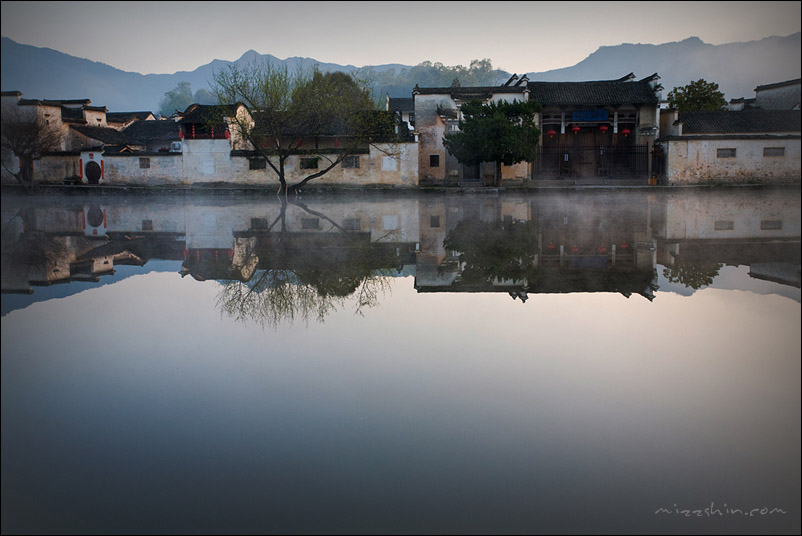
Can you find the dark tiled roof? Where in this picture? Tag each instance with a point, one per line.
(11, 93)
(402, 105)
(49, 102)
(465, 93)
(124, 117)
(203, 113)
(746, 121)
(107, 135)
(794, 82)
(153, 131)
(598, 93)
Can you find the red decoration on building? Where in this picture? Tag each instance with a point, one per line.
(228, 134)
(604, 128)
(551, 133)
(336, 142)
(297, 143)
(574, 129)
(626, 132)
(181, 134)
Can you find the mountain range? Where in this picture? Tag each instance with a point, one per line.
(43, 73)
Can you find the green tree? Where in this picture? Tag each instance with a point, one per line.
(494, 250)
(500, 132)
(697, 96)
(179, 98)
(204, 96)
(287, 111)
(692, 275)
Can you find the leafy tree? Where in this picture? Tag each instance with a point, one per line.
(494, 250)
(288, 111)
(692, 275)
(697, 96)
(27, 136)
(204, 96)
(500, 132)
(179, 98)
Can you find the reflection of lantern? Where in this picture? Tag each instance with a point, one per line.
(603, 128)
(602, 249)
(551, 133)
(624, 245)
(575, 249)
(626, 132)
(551, 245)
(574, 129)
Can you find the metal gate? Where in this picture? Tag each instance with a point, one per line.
(590, 161)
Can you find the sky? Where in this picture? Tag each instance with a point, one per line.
(166, 37)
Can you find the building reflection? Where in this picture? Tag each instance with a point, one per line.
(594, 241)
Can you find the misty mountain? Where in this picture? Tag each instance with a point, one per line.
(736, 67)
(43, 73)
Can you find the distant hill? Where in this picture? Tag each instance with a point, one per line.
(738, 68)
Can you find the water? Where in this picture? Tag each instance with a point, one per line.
(593, 361)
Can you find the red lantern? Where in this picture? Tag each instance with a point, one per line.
(574, 129)
(626, 132)
(227, 134)
(336, 142)
(551, 133)
(181, 134)
(603, 128)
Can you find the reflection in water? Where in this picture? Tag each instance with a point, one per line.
(505, 385)
(300, 261)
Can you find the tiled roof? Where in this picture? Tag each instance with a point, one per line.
(124, 117)
(48, 102)
(743, 121)
(794, 82)
(203, 113)
(402, 105)
(598, 93)
(107, 135)
(465, 93)
(153, 131)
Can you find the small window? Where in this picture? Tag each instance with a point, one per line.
(309, 163)
(147, 225)
(350, 162)
(259, 224)
(434, 221)
(724, 225)
(257, 163)
(144, 163)
(412, 119)
(351, 224)
(310, 223)
(725, 153)
(434, 160)
(771, 225)
(773, 151)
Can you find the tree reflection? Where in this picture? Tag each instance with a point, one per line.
(27, 253)
(303, 277)
(490, 251)
(692, 275)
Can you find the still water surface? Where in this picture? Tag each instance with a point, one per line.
(575, 362)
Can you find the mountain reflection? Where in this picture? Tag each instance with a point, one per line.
(299, 261)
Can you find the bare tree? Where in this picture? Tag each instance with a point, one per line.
(27, 136)
(288, 112)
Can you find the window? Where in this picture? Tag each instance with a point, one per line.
(724, 225)
(350, 162)
(351, 224)
(310, 223)
(309, 163)
(144, 163)
(434, 221)
(773, 151)
(771, 225)
(434, 160)
(257, 163)
(725, 153)
(412, 118)
(259, 224)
